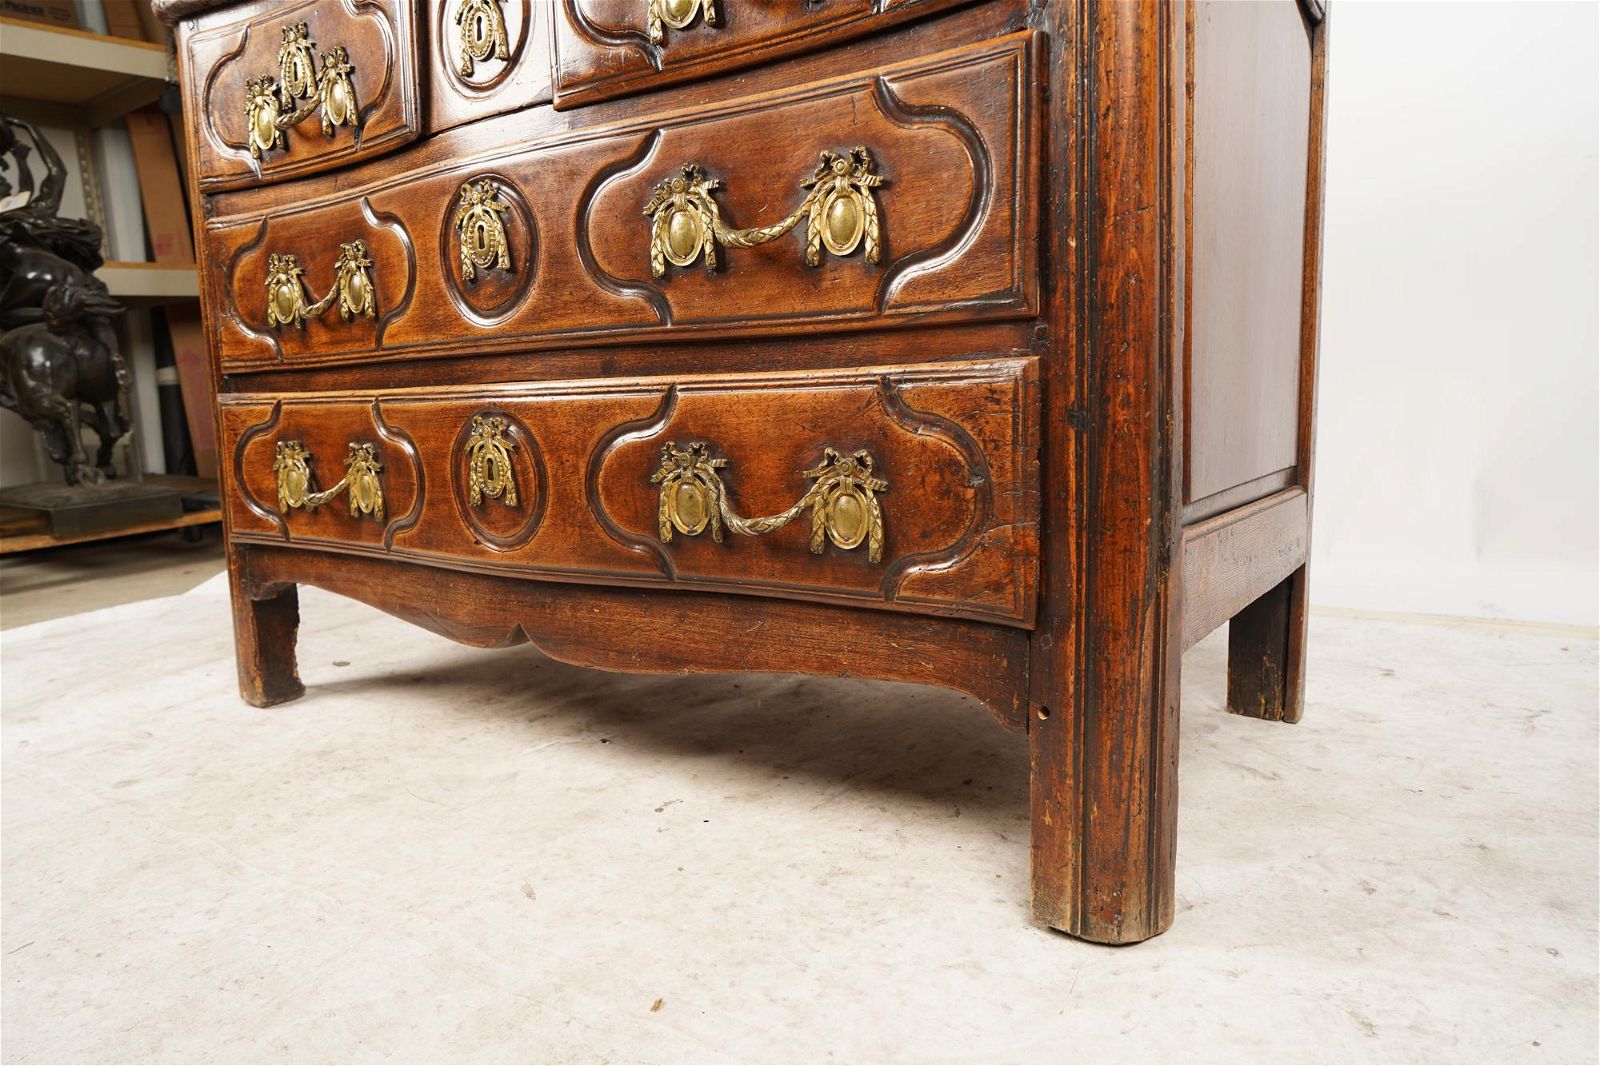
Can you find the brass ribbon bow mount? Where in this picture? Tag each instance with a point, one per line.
(272, 107)
(842, 500)
(480, 228)
(840, 210)
(482, 26)
(489, 462)
(292, 465)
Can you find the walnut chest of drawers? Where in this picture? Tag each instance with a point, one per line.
(970, 344)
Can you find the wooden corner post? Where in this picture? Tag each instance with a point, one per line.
(1103, 715)
(1267, 640)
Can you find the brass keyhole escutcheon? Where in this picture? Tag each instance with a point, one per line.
(480, 225)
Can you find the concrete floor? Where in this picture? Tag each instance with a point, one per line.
(445, 854)
(55, 582)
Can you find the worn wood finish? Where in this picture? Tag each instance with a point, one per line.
(222, 49)
(1105, 695)
(603, 48)
(1084, 365)
(961, 517)
(264, 626)
(823, 351)
(951, 133)
(1260, 655)
(492, 86)
(1233, 559)
(643, 631)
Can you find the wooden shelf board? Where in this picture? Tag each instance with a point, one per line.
(21, 538)
(21, 542)
(99, 77)
(143, 284)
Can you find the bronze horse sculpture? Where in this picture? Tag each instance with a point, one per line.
(66, 364)
(59, 362)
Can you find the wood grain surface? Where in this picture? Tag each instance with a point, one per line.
(961, 511)
(952, 134)
(1083, 363)
(603, 49)
(221, 49)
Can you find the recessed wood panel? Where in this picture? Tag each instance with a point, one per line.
(226, 49)
(1251, 114)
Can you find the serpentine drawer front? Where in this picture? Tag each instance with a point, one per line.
(606, 48)
(874, 199)
(913, 488)
(956, 342)
(279, 90)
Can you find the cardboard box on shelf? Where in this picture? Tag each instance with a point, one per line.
(62, 14)
(122, 18)
(166, 217)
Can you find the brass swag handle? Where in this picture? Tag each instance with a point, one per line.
(481, 228)
(489, 471)
(272, 107)
(840, 209)
(352, 286)
(676, 13)
(482, 26)
(843, 500)
(292, 464)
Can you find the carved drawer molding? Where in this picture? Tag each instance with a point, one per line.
(299, 88)
(287, 90)
(912, 488)
(609, 48)
(914, 193)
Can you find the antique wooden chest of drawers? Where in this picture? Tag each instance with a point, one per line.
(962, 343)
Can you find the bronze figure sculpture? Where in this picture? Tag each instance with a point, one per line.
(59, 361)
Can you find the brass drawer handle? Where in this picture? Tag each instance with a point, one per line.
(352, 285)
(676, 13)
(292, 464)
(482, 27)
(843, 500)
(489, 472)
(481, 229)
(272, 107)
(840, 210)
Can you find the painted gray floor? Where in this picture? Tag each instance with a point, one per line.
(444, 854)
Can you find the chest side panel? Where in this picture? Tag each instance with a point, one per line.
(1251, 115)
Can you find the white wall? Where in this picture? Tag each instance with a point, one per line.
(1456, 456)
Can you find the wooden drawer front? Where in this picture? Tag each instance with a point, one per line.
(608, 48)
(347, 69)
(913, 488)
(485, 57)
(952, 226)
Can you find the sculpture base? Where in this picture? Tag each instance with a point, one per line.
(74, 510)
